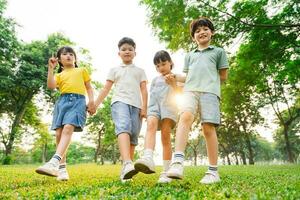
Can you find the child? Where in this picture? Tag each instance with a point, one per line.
(129, 103)
(162, 111)
(70, 109)
(205, 68)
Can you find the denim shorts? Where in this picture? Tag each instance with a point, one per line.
(206, 104)
(70, 109)
(127, 120)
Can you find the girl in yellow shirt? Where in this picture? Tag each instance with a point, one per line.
(70, 109)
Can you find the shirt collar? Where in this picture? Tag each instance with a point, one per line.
(124, 65)
(208, 48)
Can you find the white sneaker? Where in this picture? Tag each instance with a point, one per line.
(62, 175)
(145, 165)
(128, 171)
(49, 169)
(163, 178)
(175, 171)
(210, 177)
(126, 180)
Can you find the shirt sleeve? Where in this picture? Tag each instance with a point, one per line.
(143, 76)
(86, 76)
(222, 60)
(186, 63)
(57, 79)
(111, 75)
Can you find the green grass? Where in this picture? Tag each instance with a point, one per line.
(91, 181)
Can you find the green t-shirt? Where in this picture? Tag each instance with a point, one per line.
(202, 68)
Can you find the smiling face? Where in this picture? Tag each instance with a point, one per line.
(127, 53)
(202, 36)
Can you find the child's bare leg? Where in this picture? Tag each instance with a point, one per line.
(132, 148)
(146, 163)
(212, 175)
(211, 139)
(185, 122)
(124, 146)
(166, 127)
(58, 136)
(65, 139)
(152, 123)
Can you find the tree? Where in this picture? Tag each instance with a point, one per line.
(101, 132)
(258, 25)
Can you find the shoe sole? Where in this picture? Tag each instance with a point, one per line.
(130, 174)
(174, 176)
(43, 172)
(64, 179)
(143, 168)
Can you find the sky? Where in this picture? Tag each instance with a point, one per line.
(97, 26)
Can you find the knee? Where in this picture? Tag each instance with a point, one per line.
(151, 126)
(68, 128)
(187, 118)
(209, 130)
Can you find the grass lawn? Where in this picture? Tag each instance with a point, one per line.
(91, 181)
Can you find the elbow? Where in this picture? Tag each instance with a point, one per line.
(51, 86)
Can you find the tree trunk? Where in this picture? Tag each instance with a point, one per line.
(243, 158)
(251, 157)
(236, 158)
(14, 131)
(98, 148)
(228, 159)
(287, 144)
(195, 158)
(44, 153)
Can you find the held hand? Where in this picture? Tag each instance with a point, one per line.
(91, 108)
(52, 62)
(143, 113)
(170, 79)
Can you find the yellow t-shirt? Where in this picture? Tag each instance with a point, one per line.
(72, 80)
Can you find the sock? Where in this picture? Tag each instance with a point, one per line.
(125, 162)
(55, 159)
(178, 156)
(166, 165)
(213, 168)
(62, 166)
(148, 153)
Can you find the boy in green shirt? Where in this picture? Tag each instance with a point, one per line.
(205, 68)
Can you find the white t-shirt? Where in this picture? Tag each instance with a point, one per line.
(127, 80)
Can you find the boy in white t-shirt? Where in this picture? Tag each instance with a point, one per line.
(129, 103)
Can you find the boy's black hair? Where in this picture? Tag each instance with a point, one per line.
(66, 49)
(126, 40)
(202, 21)
(162, 56)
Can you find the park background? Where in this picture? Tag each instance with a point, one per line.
(260, 101)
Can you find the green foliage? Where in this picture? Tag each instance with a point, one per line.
(90, 181)
(101, 131)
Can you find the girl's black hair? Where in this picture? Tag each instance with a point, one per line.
(202, 21)
(66, 49)
(162, 56)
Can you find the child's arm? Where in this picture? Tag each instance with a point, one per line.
(144, 93)
(178, 77)
(103, 93)
(52, 62)
(223, 74)
(171, 80)
(91, 104)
